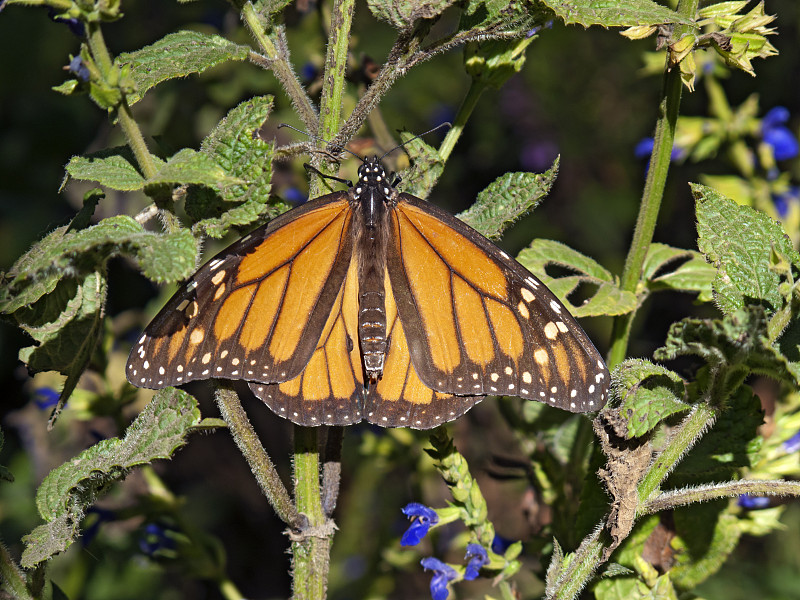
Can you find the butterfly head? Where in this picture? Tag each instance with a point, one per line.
(372, 180)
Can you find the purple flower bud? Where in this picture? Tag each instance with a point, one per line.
(45, 398)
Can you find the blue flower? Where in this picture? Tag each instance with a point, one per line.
(477, 557)
(103, 515)
(79, 68)
(155, 538)
(753, 502)
(776, 134)
(45, 397)
(422, 518)
(792, 445)
(442, 575)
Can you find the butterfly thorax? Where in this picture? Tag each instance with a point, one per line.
(371, 195)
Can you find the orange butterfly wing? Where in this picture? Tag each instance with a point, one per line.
(330, 388)
(478, 323)
(400, 398)
(256, 310)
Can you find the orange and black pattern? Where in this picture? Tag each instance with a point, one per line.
(458, 318)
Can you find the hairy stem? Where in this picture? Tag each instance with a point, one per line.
(653, 191)
(683, 438)
(264, 470)
(276, 49)
(704, 493)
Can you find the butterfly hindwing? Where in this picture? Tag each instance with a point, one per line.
(400, 398)
(477, 322)
(257, 309)
(330, 388)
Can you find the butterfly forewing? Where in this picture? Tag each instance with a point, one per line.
(256, 310)
(479, 323)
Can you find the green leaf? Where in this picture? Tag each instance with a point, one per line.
(506, 199)
(493, 62)
(738, 241)
(177, 55)
(426, 166)
(83, 219)
(65, 494)
(189, 166)
(236, 147)
(737, 341)
(65, 326)
(731, 444)
(649, 393)
(693, 275)
(511, 16)
(65, 254)
(608, 299)
(706, 537)
(113, 168)
(613, 13)
(401, 14)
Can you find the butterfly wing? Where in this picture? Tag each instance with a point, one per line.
(478, 323)
(400, 398)
(329, 390)
(257, 310)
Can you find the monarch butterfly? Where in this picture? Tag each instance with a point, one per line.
(371, 304)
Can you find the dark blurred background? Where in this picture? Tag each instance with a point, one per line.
(580, 95)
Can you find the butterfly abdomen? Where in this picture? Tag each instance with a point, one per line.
(370, 249)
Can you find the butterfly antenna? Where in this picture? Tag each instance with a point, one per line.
(319, 139)
(416, 137)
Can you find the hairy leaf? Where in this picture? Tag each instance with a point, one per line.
(64, 253)
(177, 55)
(738, 341)
(613, 13)
(236, 146)
(693, 275)
(426, 167)
(608, 299)
(508, 198)
(113, 168)
(65, 494)
(648, 394)
(738, 241)
(404, 13)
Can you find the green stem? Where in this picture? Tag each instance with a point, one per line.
(474, 93)
(580, 569)
(12, 576)
(310, 552)
(330, 109)
(653, 191)
(265, 473)
(130, 128)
